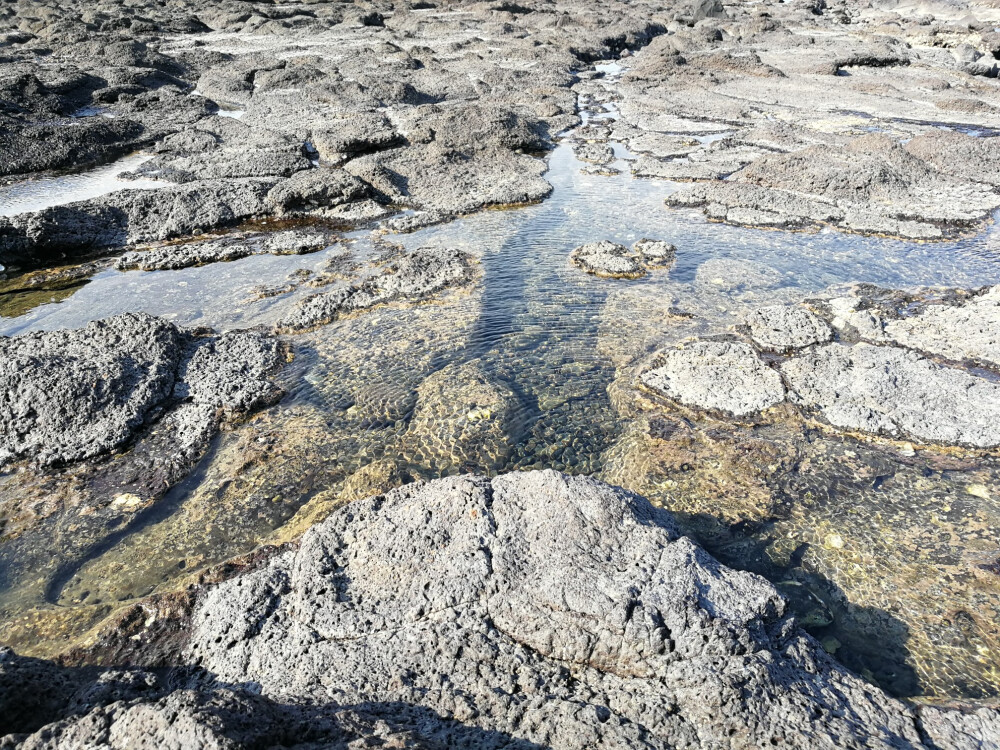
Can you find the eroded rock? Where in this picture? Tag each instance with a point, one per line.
(891, 391)
(78, 394)
(721, 375)
(784, 327)
(414, 277)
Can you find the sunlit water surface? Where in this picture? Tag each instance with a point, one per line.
(535, 349)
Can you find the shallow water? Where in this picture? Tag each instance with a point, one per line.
(45, 192)
(522, 374)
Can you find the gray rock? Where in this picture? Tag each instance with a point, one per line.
(782, 328)
(231, 372)
(129, 217)
(655, 252)
(47, 146)
(316, 188)
(594, 153)
(185, 255)
(226, 163)
(550, 609)
(76, 394)
(438, 178)
(872, 185)
(969, 331)
(355, 134)
(608, 260)
(891, 391)
(959, 155)
(414, 277)
(719, 375)
(73, 395)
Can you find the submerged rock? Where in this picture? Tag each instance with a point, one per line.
(415, 277)
(722, 375)
(464, 420)
(891, 391)
(533, 610)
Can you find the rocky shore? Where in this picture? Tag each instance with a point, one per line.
(531, 610)
(308, 439)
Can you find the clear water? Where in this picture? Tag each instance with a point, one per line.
(45, 192)
(531, 370)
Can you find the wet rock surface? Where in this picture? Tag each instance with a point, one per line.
(465, 569)
(727, 376)
(412, 278)
(613, 261)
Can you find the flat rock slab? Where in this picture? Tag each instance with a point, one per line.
(871, 185)
(892, 391)
(415, 277)
(970, 331)
(721, 375)
(781, 328)
(186, 255)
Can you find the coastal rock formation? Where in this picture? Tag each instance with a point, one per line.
(73, 395)
(871, 185)
(610, 260)
(129, 217)
(607, 259)
(892, 391)
(533, 610)
(721, 375)
(964, 328)
(785, 327)
(185, 255)
(884, 374)
(414, 277)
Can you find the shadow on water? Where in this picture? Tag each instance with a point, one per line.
(823, 609)
(158, 511)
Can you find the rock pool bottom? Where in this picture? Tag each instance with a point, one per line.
(888, 554)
